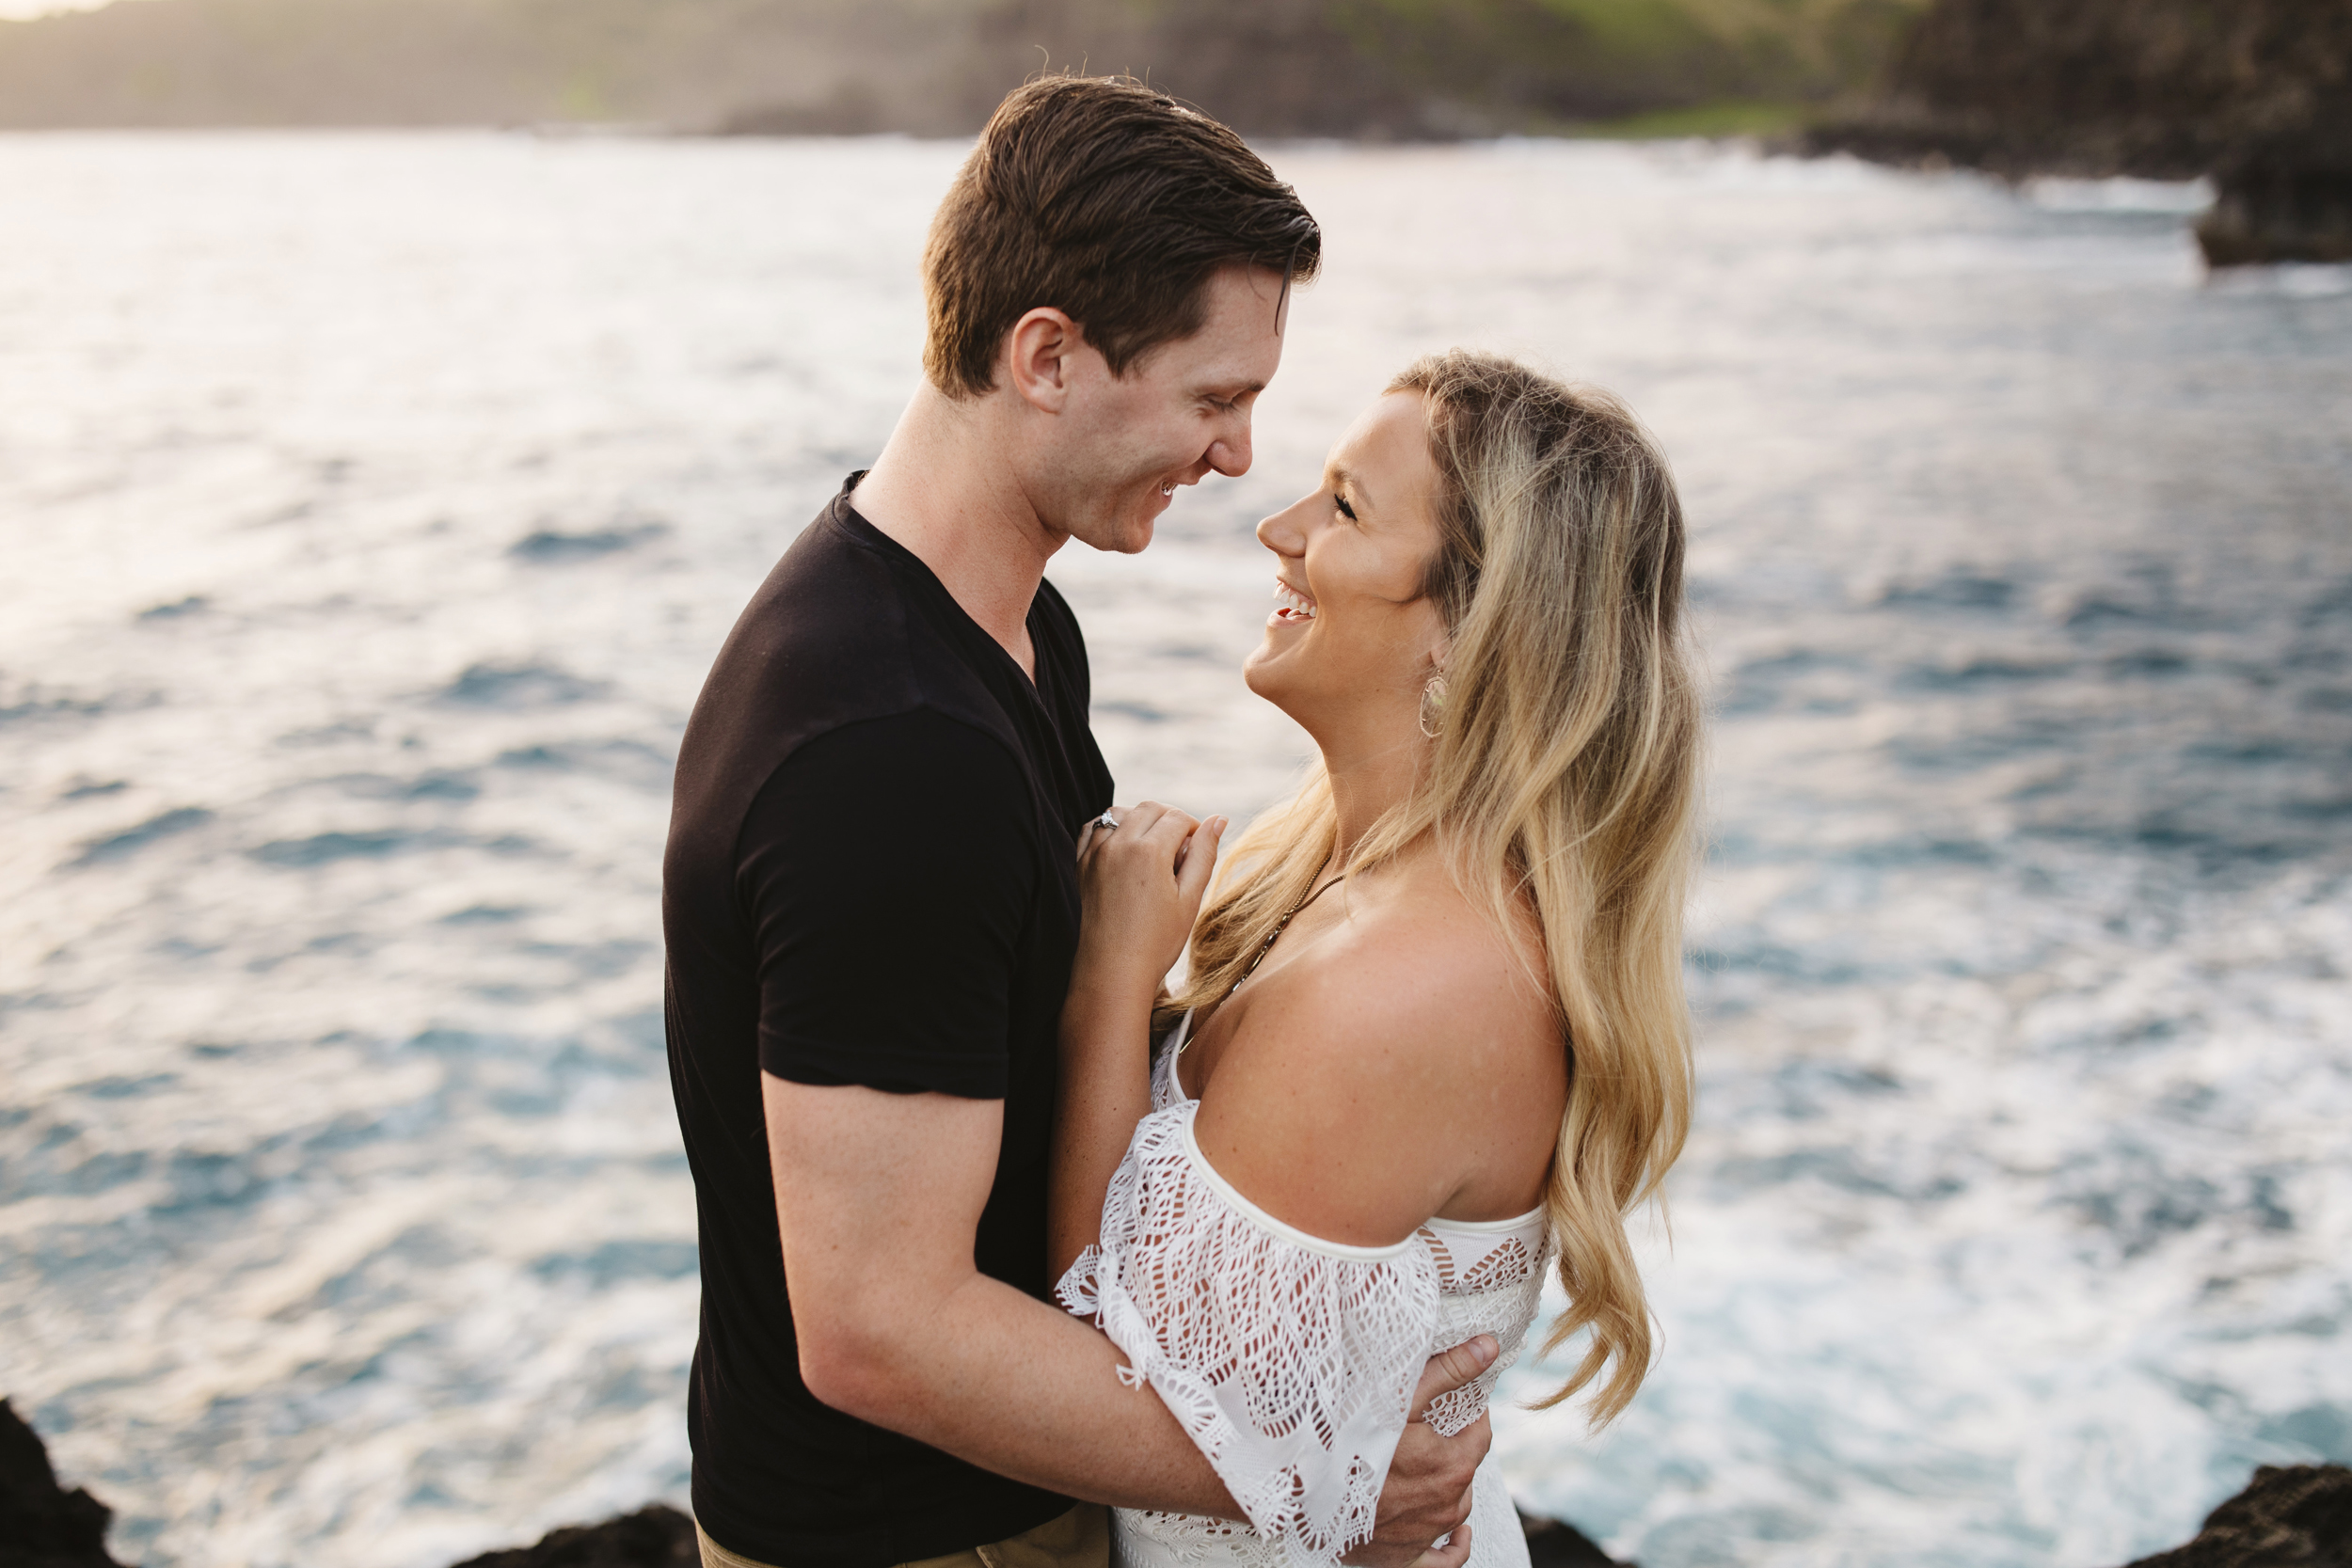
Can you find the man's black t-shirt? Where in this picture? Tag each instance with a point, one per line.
(869, 882)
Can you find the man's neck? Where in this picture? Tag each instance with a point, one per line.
(944, 488)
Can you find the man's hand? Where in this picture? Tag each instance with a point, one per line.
(1428, 1493)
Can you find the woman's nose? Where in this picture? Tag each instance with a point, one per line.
(1282, 532)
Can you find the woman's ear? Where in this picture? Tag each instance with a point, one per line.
(1036, 358)
(1438, 648)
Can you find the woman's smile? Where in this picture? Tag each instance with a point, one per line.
(1295, 608)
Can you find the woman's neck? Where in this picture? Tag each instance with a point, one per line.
(1369, 781)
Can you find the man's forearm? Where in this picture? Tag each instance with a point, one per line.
(997, 1378)
(878, 1199)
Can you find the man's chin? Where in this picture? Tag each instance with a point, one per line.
(1132, 536)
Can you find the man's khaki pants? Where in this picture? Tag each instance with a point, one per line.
(1079, 1539)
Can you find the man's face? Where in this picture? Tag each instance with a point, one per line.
(1122, 444)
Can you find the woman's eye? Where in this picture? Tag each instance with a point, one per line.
(1345, 510)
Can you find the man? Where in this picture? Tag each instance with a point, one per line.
(869, 901)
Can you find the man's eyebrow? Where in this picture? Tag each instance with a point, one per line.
(1231, 389)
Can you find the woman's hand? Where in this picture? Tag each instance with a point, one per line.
(1142, 884)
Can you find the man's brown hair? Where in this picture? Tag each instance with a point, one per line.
(1109, 202)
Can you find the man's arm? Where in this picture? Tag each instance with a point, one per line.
(879, 1195)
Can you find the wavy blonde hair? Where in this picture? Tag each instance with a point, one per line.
(1562, 785)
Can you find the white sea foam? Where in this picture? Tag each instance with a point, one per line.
(2120, 194)
(374, 505)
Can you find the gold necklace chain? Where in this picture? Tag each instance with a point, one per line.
(1279, 925)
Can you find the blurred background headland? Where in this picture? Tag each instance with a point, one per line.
(2256, 93)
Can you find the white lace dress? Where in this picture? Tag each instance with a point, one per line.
(1291, 1360)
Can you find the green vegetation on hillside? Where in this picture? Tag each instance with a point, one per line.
(1397, 68)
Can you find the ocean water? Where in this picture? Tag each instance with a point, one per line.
(372, 506)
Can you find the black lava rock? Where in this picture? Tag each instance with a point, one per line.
(660, 1537)
(1551, 1544)
(654, 1537)
(41, 1523)
(2255, 93)
(2279, 215)
(2290, 1517)
(2294, 1516)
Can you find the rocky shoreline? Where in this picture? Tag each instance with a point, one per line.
(2254, 94)
(2292, 1516)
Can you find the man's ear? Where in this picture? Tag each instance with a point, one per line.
(1036, 358)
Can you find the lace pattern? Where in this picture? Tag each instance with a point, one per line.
(1489, 1281)
(1260, 1363)
(1289, 1362)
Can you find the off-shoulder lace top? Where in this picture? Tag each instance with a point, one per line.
(1291, 1360)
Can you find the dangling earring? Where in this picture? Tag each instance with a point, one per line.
(1432, 712)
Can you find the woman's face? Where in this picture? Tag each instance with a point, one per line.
(1352, 640)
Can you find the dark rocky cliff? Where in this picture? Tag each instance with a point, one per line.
(41, 1523)
(2289, 1516)
(2296, 1516)
(2255, 93)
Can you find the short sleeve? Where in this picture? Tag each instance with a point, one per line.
(888, 868)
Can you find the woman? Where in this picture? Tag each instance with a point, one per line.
(1380, 1110)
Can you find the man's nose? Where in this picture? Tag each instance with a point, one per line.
(1229, 455)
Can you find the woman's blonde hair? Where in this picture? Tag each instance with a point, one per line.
(1561, 783)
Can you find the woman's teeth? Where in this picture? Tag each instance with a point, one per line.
(1168, 487)
(1295, 606)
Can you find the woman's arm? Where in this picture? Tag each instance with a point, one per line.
(1142, 886)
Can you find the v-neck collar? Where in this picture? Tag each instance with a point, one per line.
(861, 528)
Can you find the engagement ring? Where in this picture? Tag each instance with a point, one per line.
(1108, 822)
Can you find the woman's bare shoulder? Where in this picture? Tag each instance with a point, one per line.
(1367, 1086)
